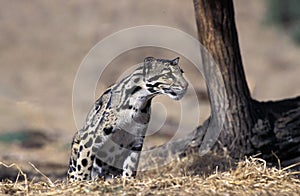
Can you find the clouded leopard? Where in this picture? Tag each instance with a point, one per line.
(112, 138)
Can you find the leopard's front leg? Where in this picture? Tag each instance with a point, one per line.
(131, 163)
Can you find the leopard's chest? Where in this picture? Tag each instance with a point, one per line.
(132, 121)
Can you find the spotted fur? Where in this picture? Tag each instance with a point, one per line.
(112, 138)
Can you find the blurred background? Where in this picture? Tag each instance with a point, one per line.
(42, 44)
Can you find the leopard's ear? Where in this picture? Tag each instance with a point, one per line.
(149, 59)
(175, 61)
(149, 62)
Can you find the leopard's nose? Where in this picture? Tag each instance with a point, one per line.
(184, 85)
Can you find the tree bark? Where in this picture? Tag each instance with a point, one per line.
(250, 126)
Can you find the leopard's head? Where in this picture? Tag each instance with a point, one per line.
(164, 77)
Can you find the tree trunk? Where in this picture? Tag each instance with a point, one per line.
(250, 127)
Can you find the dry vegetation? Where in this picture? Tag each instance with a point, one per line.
(249, 177)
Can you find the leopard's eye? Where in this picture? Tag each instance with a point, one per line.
(164, 77)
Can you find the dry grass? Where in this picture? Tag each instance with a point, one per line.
(250, 177)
